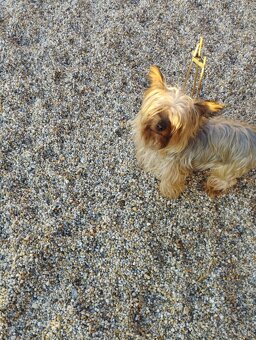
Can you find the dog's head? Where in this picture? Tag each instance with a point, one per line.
(168, 117)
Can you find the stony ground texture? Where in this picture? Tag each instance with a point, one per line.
(89, 249)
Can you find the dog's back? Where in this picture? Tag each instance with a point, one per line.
(221, 141)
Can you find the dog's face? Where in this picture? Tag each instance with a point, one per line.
(157, 130)
(168, 118)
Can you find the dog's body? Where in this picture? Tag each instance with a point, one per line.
(175, 135)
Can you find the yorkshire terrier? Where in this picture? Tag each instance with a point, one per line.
(175, 135)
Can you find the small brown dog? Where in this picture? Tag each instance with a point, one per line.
(175, 135)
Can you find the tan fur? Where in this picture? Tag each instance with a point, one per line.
(175, 135)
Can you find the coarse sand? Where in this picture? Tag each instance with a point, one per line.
(89, 248)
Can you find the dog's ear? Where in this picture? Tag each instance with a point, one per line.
(156, 78)
(208, 108)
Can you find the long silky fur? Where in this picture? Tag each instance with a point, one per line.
(198, 141)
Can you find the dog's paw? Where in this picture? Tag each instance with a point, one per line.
(212, 192)
(170, 192)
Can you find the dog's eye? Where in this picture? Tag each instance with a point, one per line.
(161, 126)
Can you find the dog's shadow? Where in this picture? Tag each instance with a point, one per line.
(196, 182)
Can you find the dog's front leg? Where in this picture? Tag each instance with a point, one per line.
(172, 187)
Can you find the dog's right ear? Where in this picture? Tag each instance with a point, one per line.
(156, 78)
(208, 108)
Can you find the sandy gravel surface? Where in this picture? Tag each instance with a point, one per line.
(89, 249)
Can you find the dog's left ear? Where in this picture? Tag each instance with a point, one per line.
(156, 77)
(208, 108)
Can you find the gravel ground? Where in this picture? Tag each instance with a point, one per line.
(89, 249)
